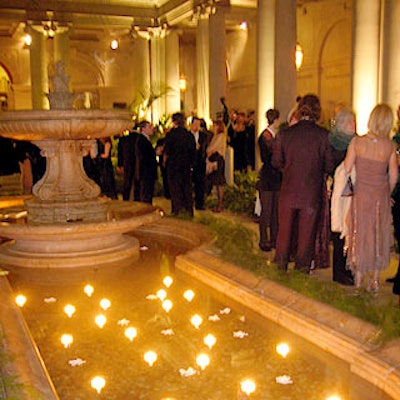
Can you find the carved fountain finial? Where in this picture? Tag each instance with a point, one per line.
(60, 97)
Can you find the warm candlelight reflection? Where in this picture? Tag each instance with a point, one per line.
(98, 383)
(88, 289)
(150, 357)
(168, 281)
(162, 294)
(20, 300)
(188, 295)
(69, 309)
(67, 340)
(248, 386)
(196, 321)
(283, 349)
(210, 340)
(203, 360)
(105, 304)
(167, 305)
(100, 320)
(131, 333)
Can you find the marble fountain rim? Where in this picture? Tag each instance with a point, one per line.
(63, 124)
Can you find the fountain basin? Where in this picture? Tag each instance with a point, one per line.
(63, 124)
(77, 244)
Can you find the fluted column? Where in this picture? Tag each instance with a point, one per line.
(38, 69)
(173, 101)
(391, 83)
(218, 78)
(142, 69)
(366, 59)
(285, 67)
(203, 65)
(157, 70)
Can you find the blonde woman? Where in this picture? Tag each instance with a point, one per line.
(215, 163)
(374, 158)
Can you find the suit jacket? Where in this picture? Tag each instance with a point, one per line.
(146, 160)
(201, 155)
(126, 152)
(304, 155)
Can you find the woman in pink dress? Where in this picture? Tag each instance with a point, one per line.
(374, 158)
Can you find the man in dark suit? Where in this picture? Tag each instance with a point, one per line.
(304, 155)
(146, 163)
(127, 164)
(199, 168)
(180, 154)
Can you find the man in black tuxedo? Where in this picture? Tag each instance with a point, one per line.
(179, 156)
(146, 162)
(127, 164)
(199, 168)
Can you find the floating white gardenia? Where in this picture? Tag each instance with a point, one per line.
(225, 310)
(240, 334)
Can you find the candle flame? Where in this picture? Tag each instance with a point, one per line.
(188, 295)
(69, 309)
(150, 357)
(203, 360)
(88, 289)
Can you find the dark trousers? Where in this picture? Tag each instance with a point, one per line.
(340, 273)
(268, 218)
(306, 219)
(180, 189)
(127, 186)
(146, 191)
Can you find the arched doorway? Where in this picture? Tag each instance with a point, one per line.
(6, 98)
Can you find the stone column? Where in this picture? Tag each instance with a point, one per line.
(285, 66)
(142, 69)
(38, 69)
(366, 59)
(173, 100)
(218, 78)
(265, 61)
(391, 81)
(203, 65)
(157, 71)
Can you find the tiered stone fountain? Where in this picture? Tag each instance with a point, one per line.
(68, 223)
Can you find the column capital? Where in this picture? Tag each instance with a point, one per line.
(157, 32)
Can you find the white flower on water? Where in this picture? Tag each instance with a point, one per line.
(214, 318)
(240, 334)
(284, 380)
(168, 332)
(50, 300)
(123, 322)
(143, 248)
(76, 362)
(225, 310)
(151, 297)
(187, 372)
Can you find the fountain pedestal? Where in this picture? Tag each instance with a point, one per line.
(69, 225)
(65, 193)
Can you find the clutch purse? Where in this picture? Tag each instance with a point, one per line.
(348, 189)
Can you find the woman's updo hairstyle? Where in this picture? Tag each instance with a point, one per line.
(309, 107)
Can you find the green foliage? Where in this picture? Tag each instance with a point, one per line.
(236, 244)
(241, 196)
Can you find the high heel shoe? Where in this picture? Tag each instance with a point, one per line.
(373, 286)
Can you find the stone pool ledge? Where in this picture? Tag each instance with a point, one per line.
(26, 363)
(347, 337)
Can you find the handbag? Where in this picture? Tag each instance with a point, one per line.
(348, 189)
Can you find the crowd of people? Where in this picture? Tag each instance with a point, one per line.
(317, 186)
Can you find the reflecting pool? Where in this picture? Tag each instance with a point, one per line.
(244, 347)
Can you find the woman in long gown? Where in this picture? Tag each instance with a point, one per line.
(374, 158)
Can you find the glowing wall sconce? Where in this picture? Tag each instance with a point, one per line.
(182, 84)
(114, 44)
(28, 39)
(299, 56)
(244, 26)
